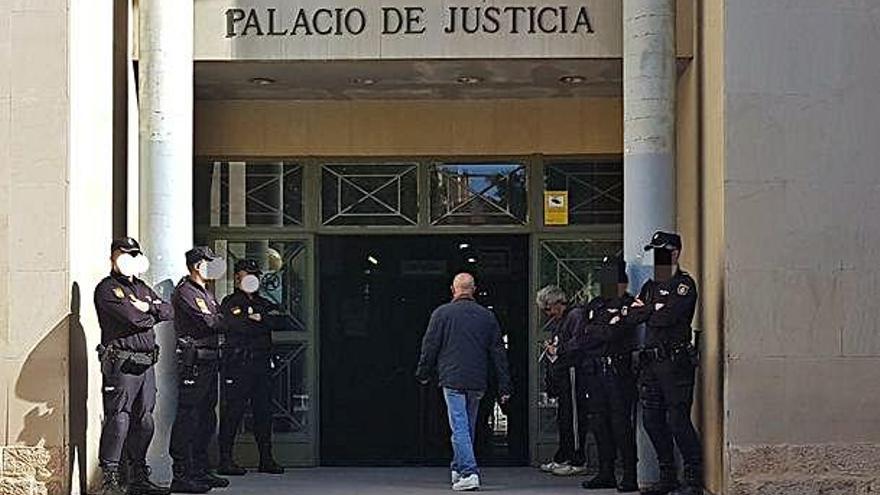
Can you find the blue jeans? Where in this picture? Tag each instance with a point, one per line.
(462, 406)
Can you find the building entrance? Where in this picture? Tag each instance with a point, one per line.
(376, 296)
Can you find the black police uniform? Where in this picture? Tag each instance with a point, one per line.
(569, 353)
(198, 323)
(246, 376)
(127, 352)
(609, 384)
(667, 365)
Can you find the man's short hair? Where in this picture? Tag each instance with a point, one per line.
(550, 295)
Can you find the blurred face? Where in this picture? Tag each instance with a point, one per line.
(665, 263)
(554, 311)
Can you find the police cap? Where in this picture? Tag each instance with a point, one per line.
(247, 265)
(199, 253)
(664, 240)
(126, 245)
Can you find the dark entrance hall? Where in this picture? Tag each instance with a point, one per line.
(376, 296)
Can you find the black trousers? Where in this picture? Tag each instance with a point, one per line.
(570, 418)
(246, 382)
(610, 413)
(666, 391)
(196, 420)
(129, 400)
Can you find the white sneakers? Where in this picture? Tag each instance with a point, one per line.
(569, 470)
(455, 477)
(552, 466)
(467, 483)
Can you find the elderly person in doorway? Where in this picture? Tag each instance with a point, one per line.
(567, 322)
(463, 339)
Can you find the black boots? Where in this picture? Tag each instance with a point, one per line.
(212, 480)
(228, 467)
(604, 480)
(268, 465)
(139, 482)
(185, 482)
(693, 481)
(667, 483)
(112, 483)
(629, 482)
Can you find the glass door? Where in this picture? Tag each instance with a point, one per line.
(287, 280)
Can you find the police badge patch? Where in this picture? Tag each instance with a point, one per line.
(236, 310)
(117, 291)
(682, 289)
(202, 306)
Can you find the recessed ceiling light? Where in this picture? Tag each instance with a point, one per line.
(572, 79)
(469, 80)
(262, 81)
(363, 81)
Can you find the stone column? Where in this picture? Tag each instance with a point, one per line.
(166, 222)
(649, 83)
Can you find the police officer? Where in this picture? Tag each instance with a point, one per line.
(608, 381)
(667, 365)
(198, 324)
(569, 321)
(127, 311)
(246, 373)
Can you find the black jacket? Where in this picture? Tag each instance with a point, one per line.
(671, 324)
(243, 332)
(463, 340)
(123, 325)
(197, 314)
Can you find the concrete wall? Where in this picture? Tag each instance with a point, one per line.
(802, 201)
(33, 245)
(472, 127)
(55, 153)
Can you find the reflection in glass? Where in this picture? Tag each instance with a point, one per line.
(478, 194)
(240, 194)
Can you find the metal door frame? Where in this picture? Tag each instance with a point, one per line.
(311, 227)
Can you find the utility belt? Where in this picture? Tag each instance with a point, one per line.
(192, 352)
(243, 356)
(613, 364)
(132, 362)
(675, 352)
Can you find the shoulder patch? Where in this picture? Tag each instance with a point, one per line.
(683, 289)
(235, 310)
(117, 291)
(202, 305)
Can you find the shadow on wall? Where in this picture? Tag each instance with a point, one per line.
(42, 382)
(78, 390)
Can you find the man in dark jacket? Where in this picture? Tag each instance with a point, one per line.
(462, 341)
(127, 311)
(247, 371)
(569, 321)
(198, 324)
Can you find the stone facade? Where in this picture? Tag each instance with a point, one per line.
(26, 471)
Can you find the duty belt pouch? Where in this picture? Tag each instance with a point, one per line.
(203, 354)
(137, 363)
(186, 352)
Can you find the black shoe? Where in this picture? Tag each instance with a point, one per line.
(230, 468)
(689, 490)
(212, 480)
(271, 467)
(112, 484)
(628, 485)
(600, 482)
(140, 484)
(188, 485)
(659, 488)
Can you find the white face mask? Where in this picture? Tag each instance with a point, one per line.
(142, 264)
(250, 283)
(127, 265)
(212, 270)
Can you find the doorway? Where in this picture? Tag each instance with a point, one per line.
(376, 296)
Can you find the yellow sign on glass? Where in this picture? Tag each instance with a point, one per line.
(555, 207)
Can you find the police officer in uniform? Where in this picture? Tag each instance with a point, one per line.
(667, 364)
(608, 381)
(198, 324)
(246, 376)
(127, 311)
(564, 358)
